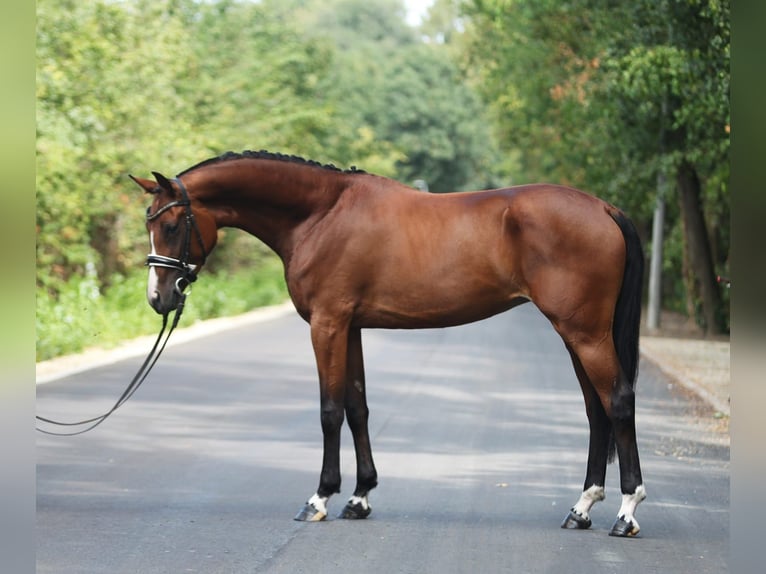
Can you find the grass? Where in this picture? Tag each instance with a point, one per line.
(83, 316)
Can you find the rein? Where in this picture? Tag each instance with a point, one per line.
(188, 277)
(138, 378)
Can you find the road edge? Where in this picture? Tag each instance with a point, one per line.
(60, 367)
(686, 382)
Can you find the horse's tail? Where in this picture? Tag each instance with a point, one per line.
(627, 313)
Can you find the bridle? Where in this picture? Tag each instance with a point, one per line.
(187, 269)
(189, 276)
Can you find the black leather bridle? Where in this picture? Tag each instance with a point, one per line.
(187, 269)
(188, 276)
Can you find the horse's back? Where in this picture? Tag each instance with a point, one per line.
(408, 259)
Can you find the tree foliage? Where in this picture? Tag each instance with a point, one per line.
(143, 85)
(610, 96)
(599, 94)
(407, 97)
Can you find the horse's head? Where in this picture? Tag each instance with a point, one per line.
(181, 235)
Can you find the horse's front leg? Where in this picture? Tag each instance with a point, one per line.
(357, 415)
(330, 340)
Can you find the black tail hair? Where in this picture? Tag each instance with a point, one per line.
(627, 313)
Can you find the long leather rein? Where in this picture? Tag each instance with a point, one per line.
(132, 387)
(188, 277)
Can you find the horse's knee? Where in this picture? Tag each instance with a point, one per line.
(331, 416)
(357, 416)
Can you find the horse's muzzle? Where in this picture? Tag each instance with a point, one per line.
(162, 305)
(169, 300)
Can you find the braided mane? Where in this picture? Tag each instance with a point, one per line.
(263, 154)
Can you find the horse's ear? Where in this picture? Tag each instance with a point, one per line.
(147, 185)
(163, 182)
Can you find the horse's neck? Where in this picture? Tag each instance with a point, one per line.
(271, 200)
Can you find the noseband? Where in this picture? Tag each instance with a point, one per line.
(187, 269)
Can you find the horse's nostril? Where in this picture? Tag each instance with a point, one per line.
(155, 300)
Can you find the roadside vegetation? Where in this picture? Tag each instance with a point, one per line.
(86, 315)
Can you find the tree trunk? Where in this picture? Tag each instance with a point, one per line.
(690, 285)
(104, 240)
(698, 246)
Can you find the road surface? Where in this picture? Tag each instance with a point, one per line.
(479, 436)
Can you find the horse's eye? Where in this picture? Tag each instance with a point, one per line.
(170, 228)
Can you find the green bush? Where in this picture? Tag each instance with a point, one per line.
(85, 316)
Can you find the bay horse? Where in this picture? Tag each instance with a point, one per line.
(363, 251)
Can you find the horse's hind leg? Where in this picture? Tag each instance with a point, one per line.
(598, 451)
(631, 483)
(357, 415)
(599, 364)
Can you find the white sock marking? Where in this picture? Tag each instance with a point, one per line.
(151, 286)
(354, 500)
(319, 503)
(629, 504)
(588, 498)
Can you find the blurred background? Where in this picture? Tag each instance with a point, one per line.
(629, 102)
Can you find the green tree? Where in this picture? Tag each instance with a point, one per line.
(255, 79)
(138, 85)
(402, 105)
(428, 112)
(607, 96)
(675, 79)
(104, 79)
(124, 86)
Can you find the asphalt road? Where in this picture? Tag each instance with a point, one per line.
(479, 436)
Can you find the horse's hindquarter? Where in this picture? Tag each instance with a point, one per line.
(571, 255)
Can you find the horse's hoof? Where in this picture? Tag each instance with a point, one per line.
(355, 511)
(624, 528)
(576, 521)
(309, 513)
